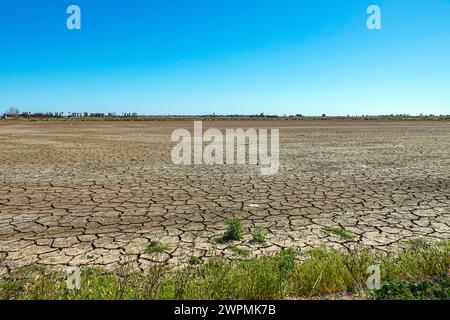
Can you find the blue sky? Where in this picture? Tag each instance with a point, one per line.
(226, 57)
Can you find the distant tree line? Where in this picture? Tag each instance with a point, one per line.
(14, 113)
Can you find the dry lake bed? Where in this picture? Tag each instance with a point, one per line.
(98, 192)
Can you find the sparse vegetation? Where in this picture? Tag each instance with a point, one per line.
(194, 260)
(329, 271)
(438, 289)
(419, 272)
(156, 247)
(259, 236)
(340, 232)
(239, 251)
(234, 231)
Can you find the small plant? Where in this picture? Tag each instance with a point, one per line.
(194, 260)
(341, 232)
(234, 231)
(156, 247)
(239, 251)
(286, 260)
(259, 236)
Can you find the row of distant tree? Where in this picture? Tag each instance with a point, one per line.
(15, 113)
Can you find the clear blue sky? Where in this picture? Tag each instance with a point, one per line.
(226, 56)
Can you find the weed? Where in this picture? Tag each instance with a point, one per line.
(194, 260)
(156, 247)
(259, 236)
(341, 232)
(234, 231)
(239, 251)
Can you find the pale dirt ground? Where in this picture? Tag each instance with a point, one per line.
(96, 193)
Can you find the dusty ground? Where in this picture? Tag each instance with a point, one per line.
(78, 193)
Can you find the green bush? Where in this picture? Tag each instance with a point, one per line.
(259, 236)
(414, 290)
(234, 231)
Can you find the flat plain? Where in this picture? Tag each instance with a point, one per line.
(100, 192)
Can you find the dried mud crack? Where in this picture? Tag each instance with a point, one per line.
(96, 193)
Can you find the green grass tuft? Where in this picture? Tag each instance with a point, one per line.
(259, 236)
(194, 260)
(156, 247)
(341, 232)
(239, 251)
(234, 231)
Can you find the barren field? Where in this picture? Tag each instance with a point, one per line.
(98, 192)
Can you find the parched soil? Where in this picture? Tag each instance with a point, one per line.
(98, 192)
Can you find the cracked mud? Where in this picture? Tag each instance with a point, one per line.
(96, 193)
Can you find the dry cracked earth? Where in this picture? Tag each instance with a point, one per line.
(97, 193)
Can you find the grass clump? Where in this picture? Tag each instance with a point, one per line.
(194, 260)
(156, 247)
(340, 232)
(261, 278)
(259, 236)
(234, 231)
(330, 271)
(239, 251)
(419, 260)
